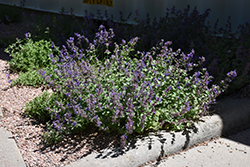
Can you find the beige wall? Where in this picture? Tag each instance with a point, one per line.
(221, 9)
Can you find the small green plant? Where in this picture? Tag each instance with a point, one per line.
(29, 78)
(28, 57)
(52, 136)
(36, 108)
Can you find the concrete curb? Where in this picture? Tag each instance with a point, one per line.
(10, 154)
(154, 146)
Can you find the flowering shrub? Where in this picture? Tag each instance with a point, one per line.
(127, 95)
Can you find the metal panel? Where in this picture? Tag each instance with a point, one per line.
(221, 9)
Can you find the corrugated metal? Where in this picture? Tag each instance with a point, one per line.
(221, 9)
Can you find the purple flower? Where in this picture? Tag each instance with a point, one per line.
(101, 27)
(232, 74)
(57, 125)
(123, 140)
(129, 125)
(197, 74)
(42, 72)
(166, 74)
(27, 35)
(47, 78)
(8, 75)
(169, 88)
(7, 18)
(74, 123)
(51, 83)
(143, 64)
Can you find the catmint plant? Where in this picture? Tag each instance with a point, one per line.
(28, 57)
(159, 89)
(28, 54)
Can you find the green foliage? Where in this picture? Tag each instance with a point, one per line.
(29, 78)
(52, 136)
(140, 91)
(33, 78)
(37, 108)
(28, 57)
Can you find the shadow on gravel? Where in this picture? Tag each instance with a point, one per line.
(91, 142)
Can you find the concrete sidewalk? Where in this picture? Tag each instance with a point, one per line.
(231, 114)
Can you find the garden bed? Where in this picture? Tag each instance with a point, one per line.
(28, 132)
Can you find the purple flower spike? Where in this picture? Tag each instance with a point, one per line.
(27, 35)
(232, 74)
(123, 140)
(7, 18)
(42, 72)
(74, 123)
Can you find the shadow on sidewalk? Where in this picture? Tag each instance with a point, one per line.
(235, 114)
